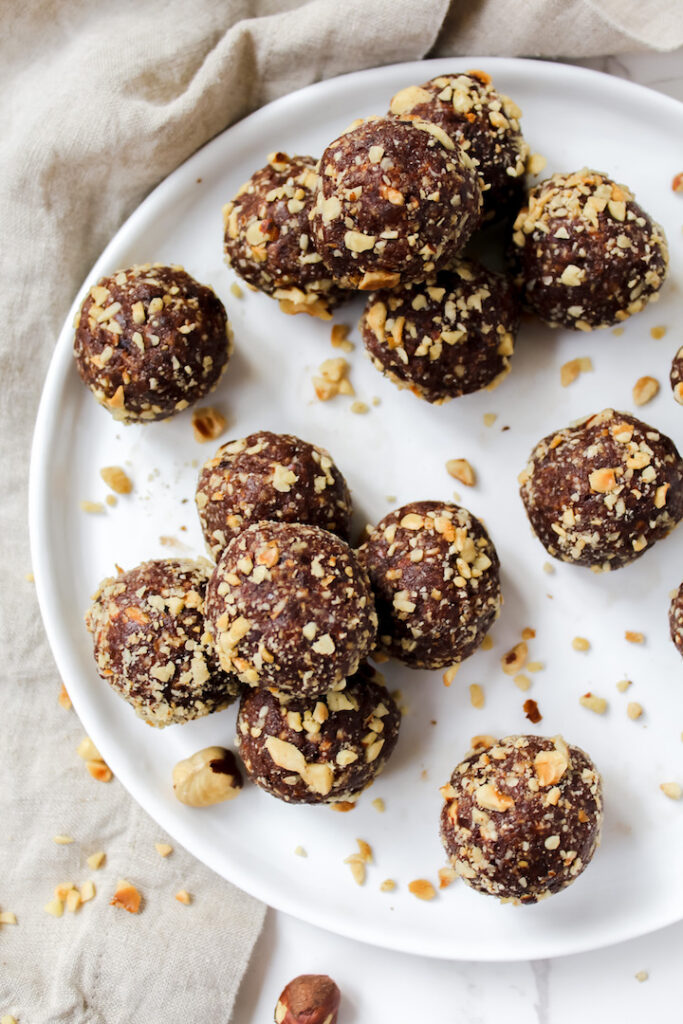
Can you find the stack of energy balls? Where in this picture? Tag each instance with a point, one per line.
(288, 613)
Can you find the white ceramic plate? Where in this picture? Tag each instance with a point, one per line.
(635, 884)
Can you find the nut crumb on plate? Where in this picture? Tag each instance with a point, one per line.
(672, 790)
(644, 390)
(421, 888)
(593, 703)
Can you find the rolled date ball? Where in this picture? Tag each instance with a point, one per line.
(268, 241)
(522, 817)
(676, 619)
(150, 341)
(676, 375)
(601, 492)
(586, 254)
(485, 123)
(150, 642)
(394, 196)
(434, 571)
(318, 750)
(270, 476)
(290, 606)
(449, 336)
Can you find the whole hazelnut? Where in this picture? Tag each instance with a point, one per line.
(308, 999)
(208, 777)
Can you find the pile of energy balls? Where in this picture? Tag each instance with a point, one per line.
(286, 615)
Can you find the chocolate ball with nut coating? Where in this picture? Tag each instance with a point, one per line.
(445, 337)
(484, 123)
(394, 198)
(676, 619)
(290, 606)
(522, 817)
(323, 749)
(586, 255)
(150, 642)
(601, 492)
(676, 376)
(435, 574)
(150, 340)
(268, 241)
(270, 476)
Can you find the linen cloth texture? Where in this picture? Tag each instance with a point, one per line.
(100, 102)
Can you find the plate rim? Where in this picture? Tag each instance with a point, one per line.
(38, 505)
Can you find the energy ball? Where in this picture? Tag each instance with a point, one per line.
(446, 337)
(150, 341)
(394, 197)
(268, 241)
(309, 751)
(150, 642)
(522, 818)
(485, 123)
(270, 476)
(601, 492)
(290, 606)
(586, 254)
(434, 571)
(676, 375)
(676, 619)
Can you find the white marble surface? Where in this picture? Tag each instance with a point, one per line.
(382, 987)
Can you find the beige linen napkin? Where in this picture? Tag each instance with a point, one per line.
(99, 103)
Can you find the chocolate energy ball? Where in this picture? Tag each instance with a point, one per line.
(434, 571)
(485, 123)
(150, 341)
(446, 337)
(309, 751)
(522, 818)
(676, 375)
(586, 254)
(270, 476)
(601, 492)
(394, 197)
(268, 241)
(150, 642)
(290, 606)
(676, 619)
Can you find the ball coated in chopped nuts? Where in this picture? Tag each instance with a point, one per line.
(150, 340)
(522, 817)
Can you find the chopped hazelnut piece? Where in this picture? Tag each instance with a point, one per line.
(64, 699)
(487, 643)
(634, 710)
(95, 508)
(672, 790)
(461, 470)
(490, 418)
(535, 163)
(677, 183)
(521, 681)
(236, 290)
(357, 866)
(514, 660)
(388, 885)
(63, 840)
(450, 674)
(99, 771)
(8, 917)
(73, 900)
(163, 849)
(641, 976)
(593, 703)
(579, 643)
(207, 424)
(623, 685)
(547, 567)
(571, 370)
(183, 896)
(657, 332)
(477, 698)
(96, 860)
(87, 891)
(339, 338)
(117, 479)
(644, 390)
(379, 805)
(300, 852)
(364, 851)
(634, 638)
(446, 877)
(55, 908)
(423, 889)
(87, 750)
(360, 408)
(127, 897)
